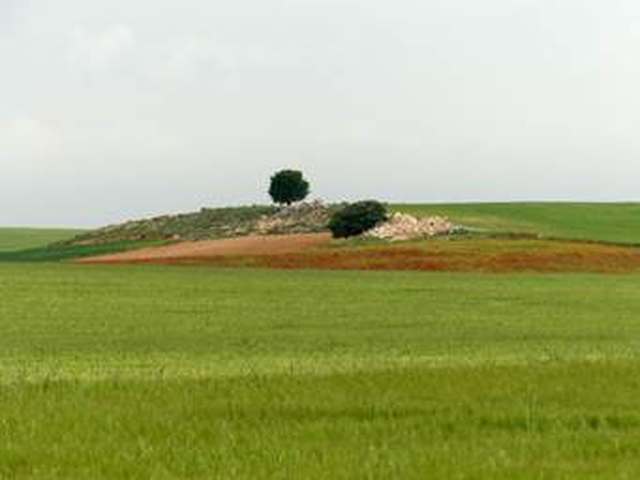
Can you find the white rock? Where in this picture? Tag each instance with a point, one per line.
(402, 226)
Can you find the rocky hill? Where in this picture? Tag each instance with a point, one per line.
(219, 223)
(213, 223)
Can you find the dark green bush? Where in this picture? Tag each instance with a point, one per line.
(357, 218)
(288, 186)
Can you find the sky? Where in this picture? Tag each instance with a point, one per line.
(119, 109)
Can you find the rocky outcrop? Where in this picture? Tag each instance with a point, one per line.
(303, 217)
(402, 226)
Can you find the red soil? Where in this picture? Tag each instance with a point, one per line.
(211, 249)
(316, 252)
(410, 259)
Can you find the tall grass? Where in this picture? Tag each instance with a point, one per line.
(156, 372)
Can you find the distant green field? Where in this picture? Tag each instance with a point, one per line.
(610, 222)
(33, 245)
(161, 372)
(14, 239)
(58, 253)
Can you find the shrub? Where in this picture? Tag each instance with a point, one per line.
(357, 218)
(288, 186)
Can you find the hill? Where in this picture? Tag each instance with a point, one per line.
(215, 223)
(608, 223)
(600, 222)
(603, 222)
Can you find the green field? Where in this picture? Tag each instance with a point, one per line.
(185, 372)
(14, 239)
(609, 222)
(138, 372)
(58, 253)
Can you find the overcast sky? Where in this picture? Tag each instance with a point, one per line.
(124, 108)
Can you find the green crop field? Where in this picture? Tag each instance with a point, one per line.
(188, 372)
(137, 372)
(14, 239)
(610, 222)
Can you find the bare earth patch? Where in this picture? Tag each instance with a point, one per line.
(253, 246)
(316, 251)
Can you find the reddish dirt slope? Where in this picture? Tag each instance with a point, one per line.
(313, 251)
(211, 249)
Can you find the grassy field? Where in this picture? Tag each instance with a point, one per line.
(186, 372)
(609, 222)
(140, 372)
(61, 252)
(14, 239)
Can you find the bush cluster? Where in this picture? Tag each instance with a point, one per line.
(357, 218)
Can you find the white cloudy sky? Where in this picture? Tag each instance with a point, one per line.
(121, 108)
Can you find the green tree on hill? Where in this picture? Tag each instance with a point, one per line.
(288, 186)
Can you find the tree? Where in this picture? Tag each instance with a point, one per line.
(357, 218)
(288, 186)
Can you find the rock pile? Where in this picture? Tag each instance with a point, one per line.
(302, 217)
(407, 227)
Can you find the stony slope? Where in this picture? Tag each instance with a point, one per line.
(216, 223)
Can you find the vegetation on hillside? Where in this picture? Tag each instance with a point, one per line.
(216, 223)
(208, 223)
(356, 218)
